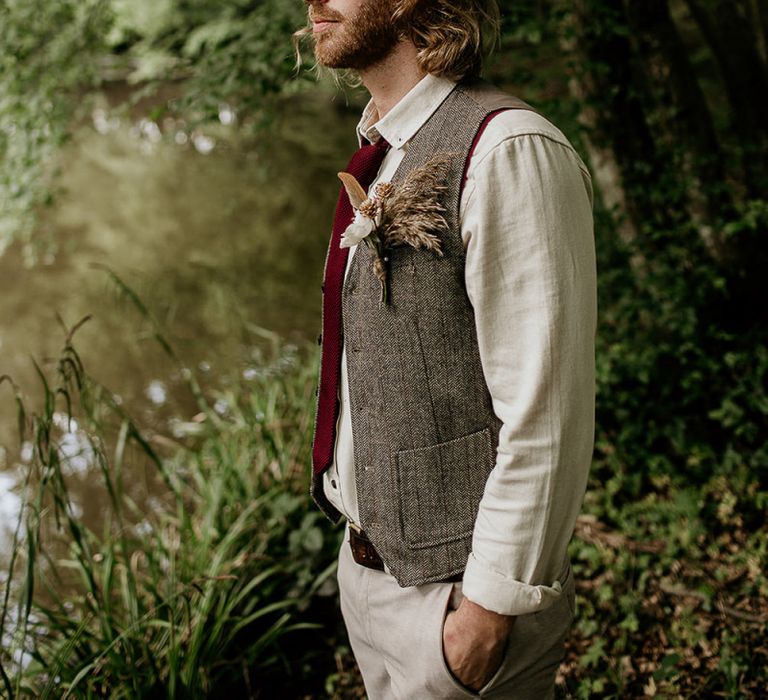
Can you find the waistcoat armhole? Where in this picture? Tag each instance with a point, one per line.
(476, 140)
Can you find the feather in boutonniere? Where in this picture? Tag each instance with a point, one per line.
(409, 213)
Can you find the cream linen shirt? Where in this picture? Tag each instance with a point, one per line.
(527, 228)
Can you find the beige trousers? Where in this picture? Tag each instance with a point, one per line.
(397, 638)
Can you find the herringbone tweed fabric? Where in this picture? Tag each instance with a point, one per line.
(423, 426)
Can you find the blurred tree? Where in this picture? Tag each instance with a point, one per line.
(682, 165)
(54, 54)
(681, 168)
(648, 118)
(735, 31)
(239, 52)
(47, 52)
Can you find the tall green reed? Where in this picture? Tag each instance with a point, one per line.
(204, 594)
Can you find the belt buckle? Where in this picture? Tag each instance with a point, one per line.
(363, 551)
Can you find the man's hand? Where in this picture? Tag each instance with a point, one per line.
(473, 643)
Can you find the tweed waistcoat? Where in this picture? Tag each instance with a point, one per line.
(423, 426)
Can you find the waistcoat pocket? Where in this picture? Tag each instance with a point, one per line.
(440, 487)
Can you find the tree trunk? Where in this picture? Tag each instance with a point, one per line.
(605, 77)
(733, 42)
(604, 166)
(684, 126)
(758, 18)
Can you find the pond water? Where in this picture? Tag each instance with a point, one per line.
(220, 234)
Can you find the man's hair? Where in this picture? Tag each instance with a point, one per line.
(453, 37)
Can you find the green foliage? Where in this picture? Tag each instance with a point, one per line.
(215, 591)
(680, 470)
(47, 53)
(53, 54)
(238, 52)
(682, 365)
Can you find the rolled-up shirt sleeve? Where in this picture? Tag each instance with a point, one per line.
(527, 226)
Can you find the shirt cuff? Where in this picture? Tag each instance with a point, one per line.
(499, 593)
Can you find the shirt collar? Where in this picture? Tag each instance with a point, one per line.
(402, 122)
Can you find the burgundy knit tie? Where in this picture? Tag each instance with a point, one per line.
(364, 166)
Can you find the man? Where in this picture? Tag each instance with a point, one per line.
(455, 416)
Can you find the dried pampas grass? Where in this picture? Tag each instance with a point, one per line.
(411, 213)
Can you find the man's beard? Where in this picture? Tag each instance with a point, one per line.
(358, 41)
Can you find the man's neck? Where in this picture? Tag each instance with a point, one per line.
(392, 78)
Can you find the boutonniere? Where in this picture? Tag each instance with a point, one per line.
(408, 213)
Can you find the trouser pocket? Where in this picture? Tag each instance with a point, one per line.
(532, 652)
(454, 688)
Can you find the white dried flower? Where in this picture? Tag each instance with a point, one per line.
(361, 227)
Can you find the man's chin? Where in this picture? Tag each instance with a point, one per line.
(329, 61)
(338, 56)
(325, 63)
(322, 55)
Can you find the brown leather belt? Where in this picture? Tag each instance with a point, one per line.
(365, 554)
(363, 551)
